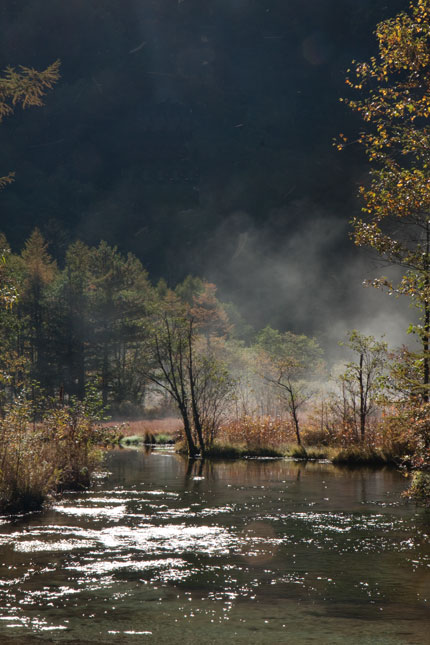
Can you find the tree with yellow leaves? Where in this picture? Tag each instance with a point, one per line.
(25, 87)
(394, 103)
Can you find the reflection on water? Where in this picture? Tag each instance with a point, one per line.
(257, 551)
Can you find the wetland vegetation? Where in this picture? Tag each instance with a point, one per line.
(172, 468)
(96, 338)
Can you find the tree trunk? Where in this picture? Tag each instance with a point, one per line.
(426, 362)
(192, 450)
(425, 340)
(196, 416)
(80, 370)
(105, 371)
(295, 418)
(362, 400)
(198, 428)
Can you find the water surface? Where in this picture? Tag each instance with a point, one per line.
(256, 551)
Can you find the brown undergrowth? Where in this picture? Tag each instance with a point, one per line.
(37, 460)
(170, 427)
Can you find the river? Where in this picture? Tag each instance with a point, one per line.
(252, 551)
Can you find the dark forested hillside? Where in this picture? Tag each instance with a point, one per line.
(196, 134)
(189, 212)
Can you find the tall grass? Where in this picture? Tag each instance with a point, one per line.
(362, 455)
(255, 432)
(308, 452)
(28, 463)
(167, 430)
(76, 436)
(39, 459)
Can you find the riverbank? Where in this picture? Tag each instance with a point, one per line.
(263, 439)
(62, 452)
(40, 460)
(353, 456)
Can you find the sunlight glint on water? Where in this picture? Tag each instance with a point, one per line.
(250, 552)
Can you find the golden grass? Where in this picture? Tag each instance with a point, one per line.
(169, 426)
(255, 432)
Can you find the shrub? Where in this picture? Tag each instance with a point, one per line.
(28, 463)
(75, 430)
(133, 440)
(255, 432)
(314, 437)
(59, 452)
(397, 431)
(228, 451)
(75, 437)
(419, 490)
(360, 455)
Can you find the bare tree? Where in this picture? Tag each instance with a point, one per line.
(170, 348)
(288, 362)
(363, 381)
(185, 365)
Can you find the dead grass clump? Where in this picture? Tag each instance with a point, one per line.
(170, 427)
(255, 432)
(37, 460)
(361, 455)
(28, 468)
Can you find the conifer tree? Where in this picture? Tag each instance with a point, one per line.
(25, 87)
(14, 363)
(118, 291)
(74, 312)
(40, 271)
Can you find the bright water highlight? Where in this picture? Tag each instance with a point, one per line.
(256, 551)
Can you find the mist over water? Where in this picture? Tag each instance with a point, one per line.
(198, 135)
(300, 282)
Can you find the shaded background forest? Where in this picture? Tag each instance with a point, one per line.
(197, 135)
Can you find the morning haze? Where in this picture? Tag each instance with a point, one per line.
(198, 135)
